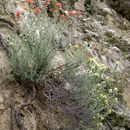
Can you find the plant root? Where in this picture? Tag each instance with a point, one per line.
(16, 112)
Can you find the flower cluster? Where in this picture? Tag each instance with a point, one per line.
(70, 45)
(59, 5)
(47, 1)
(57, 10)
(29, 1)
(37, 11)
(18, 13)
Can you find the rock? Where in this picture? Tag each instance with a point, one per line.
(115, 49)
(6, 7)
(84, 20)
(127, 92)
(57, 61)
(23, 0)
(1, 98)
(107, 10)
(122, 110)
(2, 107)
(122, 114)
(1, 102)
(105, 50)
(119, 128)
(91, 34)
(110, 31)
(103, 11)
(121, 6)
(92, 25)
(79, 6)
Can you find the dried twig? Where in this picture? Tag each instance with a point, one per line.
(16, 112)
(19, 124)
(12, 115)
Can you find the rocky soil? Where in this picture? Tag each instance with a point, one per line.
(108, 34)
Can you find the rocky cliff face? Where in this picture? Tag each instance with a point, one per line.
(121, 6)
(108, 35)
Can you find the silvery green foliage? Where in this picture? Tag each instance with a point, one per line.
(33, 50)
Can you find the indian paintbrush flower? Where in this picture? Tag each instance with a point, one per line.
(29, 1)
(79, 12)
(71, 13)
(59, 5)
(47, 1)
(37, 11)
(18, 13)
(63, 16)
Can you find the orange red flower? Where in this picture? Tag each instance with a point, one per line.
(59, 5)
(79, 12)
(47, 1)
(29, 1)
(63, 16)
(37, 11)
(71, 13)
(18, 13)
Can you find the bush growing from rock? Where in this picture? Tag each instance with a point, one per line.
(79, 87)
